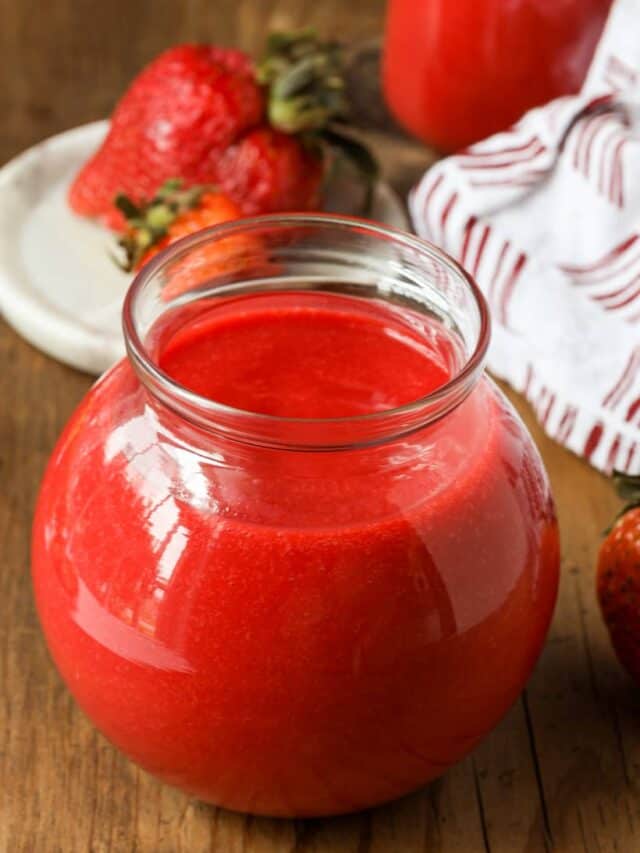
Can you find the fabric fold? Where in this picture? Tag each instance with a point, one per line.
(546, 217)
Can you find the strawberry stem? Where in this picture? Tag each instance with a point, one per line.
(149, 221)
(305, 81)
(306, 95)
(628, 487)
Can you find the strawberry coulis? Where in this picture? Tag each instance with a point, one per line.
(317, 358)
(293, 632)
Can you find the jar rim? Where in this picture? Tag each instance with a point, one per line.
(258, 428)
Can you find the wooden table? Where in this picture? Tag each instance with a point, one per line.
(561, 772)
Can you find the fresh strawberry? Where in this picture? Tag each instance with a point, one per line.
(269, 171)
(174, 213)
(618, 578)
(181, 111)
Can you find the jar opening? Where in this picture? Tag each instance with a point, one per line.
(316, 257)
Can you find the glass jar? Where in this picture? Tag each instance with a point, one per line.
(457, 71)
(283, 615)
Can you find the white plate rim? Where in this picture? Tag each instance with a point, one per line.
(18, 300)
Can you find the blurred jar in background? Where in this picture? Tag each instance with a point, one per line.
(456, 71)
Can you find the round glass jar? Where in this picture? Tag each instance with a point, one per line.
(295, 616)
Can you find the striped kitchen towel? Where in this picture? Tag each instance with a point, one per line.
(546, 217)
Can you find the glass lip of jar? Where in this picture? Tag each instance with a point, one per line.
(290, 433)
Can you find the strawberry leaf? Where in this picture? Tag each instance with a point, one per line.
(361, 158)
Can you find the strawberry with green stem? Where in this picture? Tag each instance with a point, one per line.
(175, 212)
(304, 79)
(265, 135)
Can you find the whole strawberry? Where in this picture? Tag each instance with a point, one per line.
(618, 578)
(175, 119)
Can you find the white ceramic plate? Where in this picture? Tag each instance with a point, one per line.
(59, 287)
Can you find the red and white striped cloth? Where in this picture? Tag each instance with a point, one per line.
(546, 217)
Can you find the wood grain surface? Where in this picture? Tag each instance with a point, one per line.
(562, 771)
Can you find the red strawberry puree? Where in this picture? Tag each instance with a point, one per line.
(292, 631)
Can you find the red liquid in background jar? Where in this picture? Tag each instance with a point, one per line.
(457, 71)
(291, 632)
